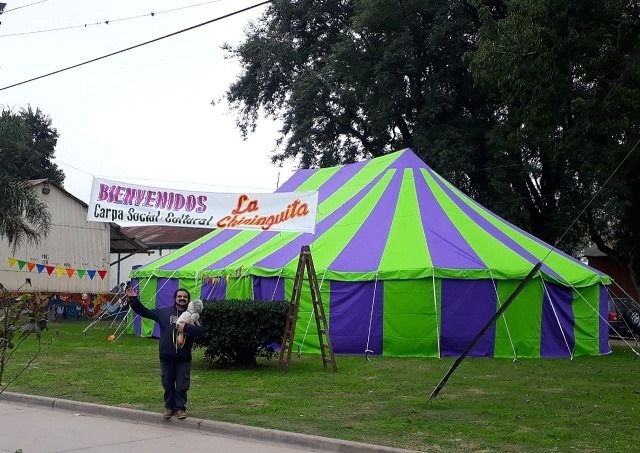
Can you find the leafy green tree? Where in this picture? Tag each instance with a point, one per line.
(566, 76)
(23, 216)
(27, 145)
(353, 79)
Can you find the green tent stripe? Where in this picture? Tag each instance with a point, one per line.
(523, 318)
(406, 241)
(239, 288)
(148, 298)
(306, 335)
(587, 321)
(190, 284)
(502, 260)
(367, 173)
(221, 251)
(264, 250)
(411, 319)
(571, 271)
(317, 179)
(327, 247)
(174, 255)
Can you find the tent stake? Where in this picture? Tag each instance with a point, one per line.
(480, 334)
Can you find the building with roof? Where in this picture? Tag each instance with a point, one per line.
(73, 257)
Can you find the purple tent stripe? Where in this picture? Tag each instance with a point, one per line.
(137, 327)
(466, 306)
(165, 289)
(268, 288)
(603, 333)
(213, 289)
(241, 251)
(530, 236)
(339, 178)
(408, 159)
(296, 180)
(286, 253)
(552, 343)
(447, 247)
(491, 229)
(350, 311)
(362, 254)
(201, 250)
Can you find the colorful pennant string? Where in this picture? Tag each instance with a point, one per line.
(60, 271)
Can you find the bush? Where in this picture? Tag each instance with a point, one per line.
(236, 332)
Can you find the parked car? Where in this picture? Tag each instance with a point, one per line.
(624, 316)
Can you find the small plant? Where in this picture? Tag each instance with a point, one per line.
(20, 318)
(236, 332)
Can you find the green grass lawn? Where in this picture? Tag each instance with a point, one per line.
(489, 404)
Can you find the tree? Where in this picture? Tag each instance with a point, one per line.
(23, 216)
(27, 145)
(352, 79)
(567, 78)
(528, 106)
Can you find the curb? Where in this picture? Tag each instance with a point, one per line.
(204, 426)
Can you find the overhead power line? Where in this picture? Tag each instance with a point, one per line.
(23, 6)
(193, 27)
(110, 21)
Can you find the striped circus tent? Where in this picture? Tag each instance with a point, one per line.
(408, 266)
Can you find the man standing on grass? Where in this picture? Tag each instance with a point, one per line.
(175, 360)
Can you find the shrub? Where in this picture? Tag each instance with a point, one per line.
(236, 332)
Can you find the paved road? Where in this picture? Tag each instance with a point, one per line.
(38, 424)
(36, 429)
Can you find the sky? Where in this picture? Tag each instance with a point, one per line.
(144, 116)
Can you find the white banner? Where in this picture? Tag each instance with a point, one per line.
(124, 203)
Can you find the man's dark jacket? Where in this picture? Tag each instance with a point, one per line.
(166, 318)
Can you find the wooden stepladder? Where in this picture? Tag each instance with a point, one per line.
(306, 262)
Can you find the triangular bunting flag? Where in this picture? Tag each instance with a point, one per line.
(102, 273)
(91, 274)
(80, 272)
(49, 269)
(12, 262)
(21, 264)
(70, 272)
(40, 268)
(60, 271)
(31, 266)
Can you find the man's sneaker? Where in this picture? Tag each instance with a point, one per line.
(181, 414)
(168, 413)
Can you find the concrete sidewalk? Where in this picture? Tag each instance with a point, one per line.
(41, 424)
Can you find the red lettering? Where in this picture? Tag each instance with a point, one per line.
(241, 199)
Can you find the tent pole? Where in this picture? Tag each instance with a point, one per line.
(484, 329)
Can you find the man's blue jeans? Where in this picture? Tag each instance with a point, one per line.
(176, 378)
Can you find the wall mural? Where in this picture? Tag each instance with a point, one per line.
(78, 306)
